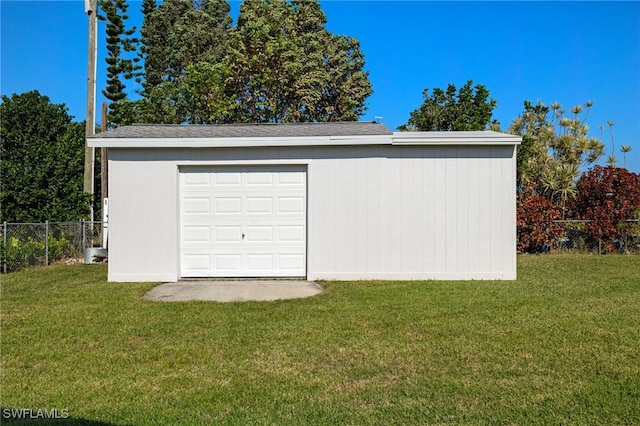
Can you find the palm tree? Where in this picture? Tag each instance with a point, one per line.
(576, 110)
(588, 105)
(612, 160)
(549, 181)
(565, 184)
(624, 149)
(613, 144)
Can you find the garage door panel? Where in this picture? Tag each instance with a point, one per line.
(295, 205)
(291, 178)
(196, 180)
(197, 234)
(227, 233)
(291, 233)
(227, 262)
(291, 261)
(227, 205)
(247, 221)
(259, 262)
(196, 206)
(259, 234)
(260, 179)
(259, 205)
(197, 263)
(226, 179)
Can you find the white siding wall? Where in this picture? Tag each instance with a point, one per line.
(143, 215)
(374, 212)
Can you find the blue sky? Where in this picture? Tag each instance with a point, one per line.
(567, 52)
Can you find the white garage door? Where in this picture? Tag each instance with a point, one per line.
(243, 221)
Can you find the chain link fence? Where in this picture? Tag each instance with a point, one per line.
(575, 238)
(25, 245)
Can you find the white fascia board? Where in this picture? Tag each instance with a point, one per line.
(455, 138)
(237, 142)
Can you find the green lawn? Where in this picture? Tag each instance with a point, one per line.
(561, 345)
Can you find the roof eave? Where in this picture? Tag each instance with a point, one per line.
(233, 142)
(397, 138)
(455, 138)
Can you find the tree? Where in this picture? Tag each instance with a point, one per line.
(279, 64)
(179, 33)
(289, 68)
(205, 90)
(607, 196)
(554, 148)
(42, 161)
(625, 149)
(119, 41)
(469, 108)
(148, 7)
(611, 123)
(346, 85)
(277, 50)
(181, 37)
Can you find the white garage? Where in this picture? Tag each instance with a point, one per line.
(247, 221)
(314, 200)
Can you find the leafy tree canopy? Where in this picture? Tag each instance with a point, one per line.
(278, 64)
(607, 196)
(42, 161)
(554, 147)
(178, 33)
(289, 68)
(469, 108)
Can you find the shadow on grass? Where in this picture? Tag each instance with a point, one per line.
(20, 416)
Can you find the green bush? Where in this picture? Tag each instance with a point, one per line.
(31, 252)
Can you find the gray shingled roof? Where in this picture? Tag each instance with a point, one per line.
(345, 128)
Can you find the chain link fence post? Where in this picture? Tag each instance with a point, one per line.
(4, 247)
(46, 243)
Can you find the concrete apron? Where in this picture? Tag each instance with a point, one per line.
(233, 291)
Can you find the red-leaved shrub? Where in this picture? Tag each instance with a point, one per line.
(535, 215)
(607, 196)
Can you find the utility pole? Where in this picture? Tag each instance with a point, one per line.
(89, 153)
(104, 179)
(104, 169)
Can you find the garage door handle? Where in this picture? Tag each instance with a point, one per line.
(243, 235)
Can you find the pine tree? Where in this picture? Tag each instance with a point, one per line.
(148, 7)
(119, 41)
